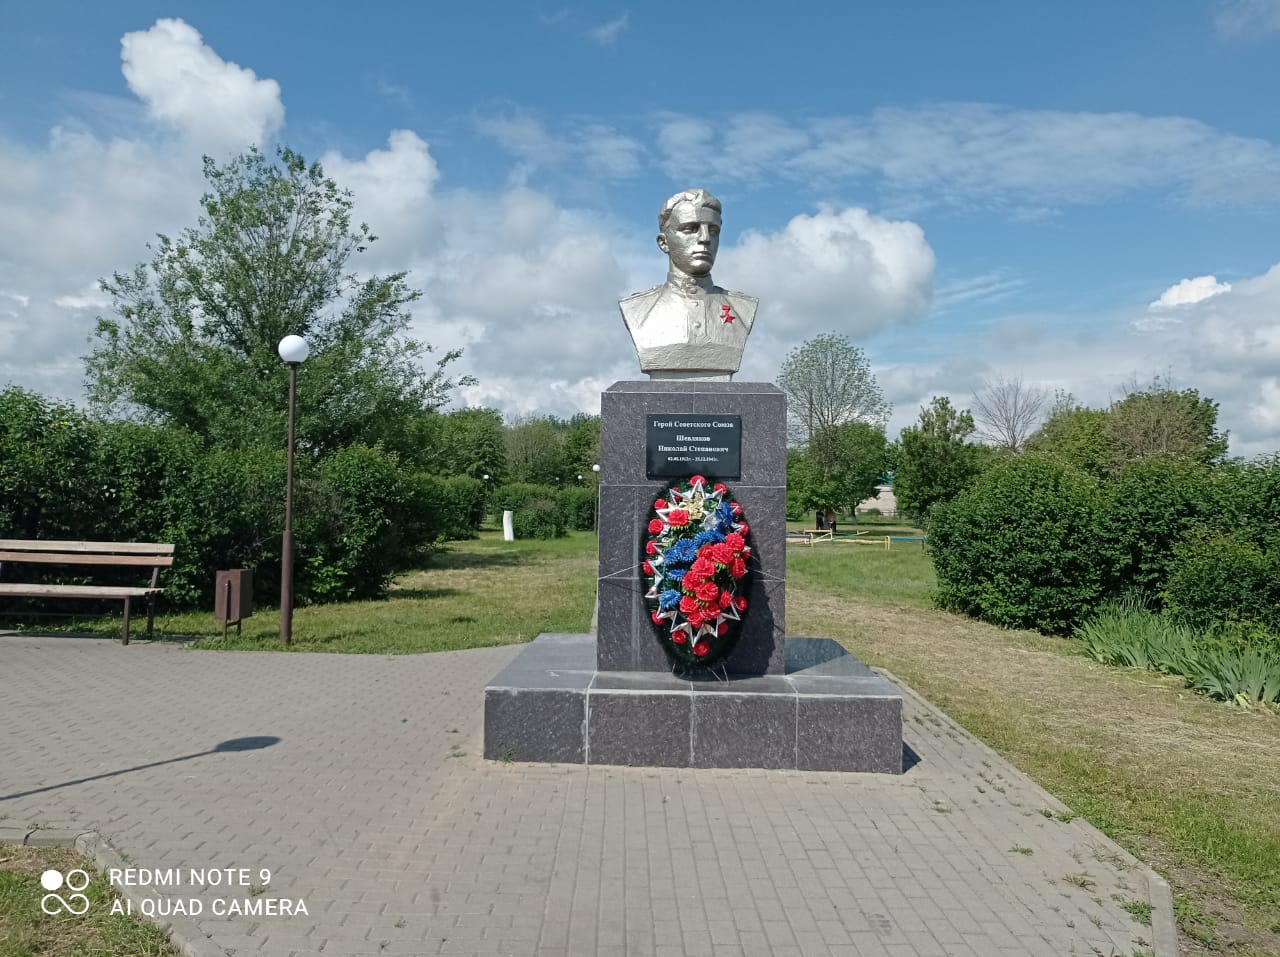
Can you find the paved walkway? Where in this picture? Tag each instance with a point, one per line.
(374, 807)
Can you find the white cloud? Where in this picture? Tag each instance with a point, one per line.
(393, 190)
(606, 34)
(1237, 17)
(185, 84)
(591, 147)
(980, 154)
(1226, 345)
(1190, 291)
(846, 270)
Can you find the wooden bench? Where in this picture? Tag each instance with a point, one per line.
(102, 554)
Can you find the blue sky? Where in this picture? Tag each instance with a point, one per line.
(1084, 196)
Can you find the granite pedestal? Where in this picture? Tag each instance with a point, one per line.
(825, 712)
(627, 640)
(612, 697)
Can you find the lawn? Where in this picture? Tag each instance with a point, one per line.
(1188, 784)
(25, 931)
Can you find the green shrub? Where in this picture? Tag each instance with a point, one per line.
(1019, 547)
(579, 507)
(49, 486)
(1147, 509)
(795, 505)
(515, 495)
(446, 509)
(362, 543)
(538, 518)
(1223, 577)
(1250, 497)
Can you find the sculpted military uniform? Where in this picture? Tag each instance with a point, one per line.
(667, 320)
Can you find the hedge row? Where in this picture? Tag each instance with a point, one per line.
(541, 511)
(359, 516)
(1039, 544)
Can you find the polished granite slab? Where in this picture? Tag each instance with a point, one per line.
(826, 712)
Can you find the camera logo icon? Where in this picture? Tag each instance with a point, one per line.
(75, 881)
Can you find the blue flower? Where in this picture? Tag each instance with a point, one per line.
(709, 537)
(682, 552)
(676, 574)
(670, 598)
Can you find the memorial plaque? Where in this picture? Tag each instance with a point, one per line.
(680, 445)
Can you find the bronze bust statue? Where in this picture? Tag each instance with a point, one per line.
(689, 328)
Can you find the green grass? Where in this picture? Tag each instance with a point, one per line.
(476, 594)
(901, 575)
(26, 931)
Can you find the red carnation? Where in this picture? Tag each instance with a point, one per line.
(721, 553)
(735, 542)
(737, 509)
(740, 603)
(697, 480)
(721, 487)
(650, 548)
(648, 569)
(702, 649)
(688, 604)
(660, 503)
(709, 592)
(743, 529)
(696, 620)
(722, 629)
(657, 617)
(725, 599)
(679, 637)
(677, 518)
(702, 567)
(655, 526)
(738, 568)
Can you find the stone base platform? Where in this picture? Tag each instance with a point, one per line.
(827, 712)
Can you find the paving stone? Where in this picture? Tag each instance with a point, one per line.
(336, 773)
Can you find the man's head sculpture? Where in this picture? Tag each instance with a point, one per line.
(689, 328)
(689, 231)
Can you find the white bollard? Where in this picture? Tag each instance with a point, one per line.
(508, 526)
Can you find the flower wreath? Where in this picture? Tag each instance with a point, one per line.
(695, 564)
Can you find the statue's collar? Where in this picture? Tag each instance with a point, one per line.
(690, 285)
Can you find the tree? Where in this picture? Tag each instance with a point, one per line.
(469, 442)
(193, 341)
(1074, 435)
(535, 451)
(934, 461)
(1157, 420)
(1007, 412)
(582, 447)
(841, 467)
(828, 381)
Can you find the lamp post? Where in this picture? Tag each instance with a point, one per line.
(596, 469)
(293, 350)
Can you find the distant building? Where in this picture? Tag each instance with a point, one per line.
(885, 502)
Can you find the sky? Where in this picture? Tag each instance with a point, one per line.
(1083, 196)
